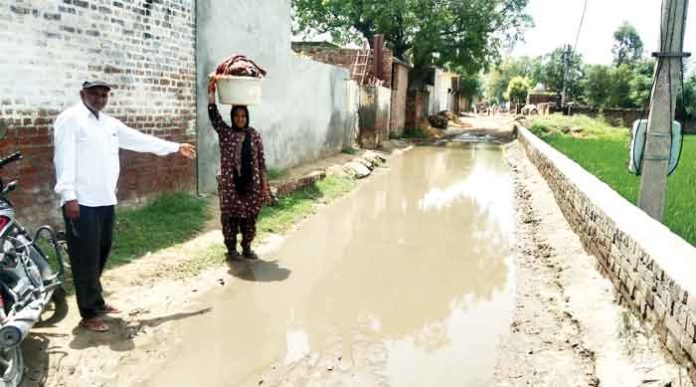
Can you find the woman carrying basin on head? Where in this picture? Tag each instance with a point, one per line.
(243, 183)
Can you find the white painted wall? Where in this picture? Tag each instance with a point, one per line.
(439, 96)
(308, 109)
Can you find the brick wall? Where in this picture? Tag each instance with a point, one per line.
(652, 269)
(623, 117)
(464, 104)
(535, 99)
(417, 102)
(398, 103)
(144, 48)
(345, 57)
(374, 116)
(615, 117)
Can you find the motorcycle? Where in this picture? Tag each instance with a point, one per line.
(28, 283)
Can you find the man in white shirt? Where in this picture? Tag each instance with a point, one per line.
(87, 144)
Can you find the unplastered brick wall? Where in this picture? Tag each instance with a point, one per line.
(653, 270)
(144, 48)
(345, 58)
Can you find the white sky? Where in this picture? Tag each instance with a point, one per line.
(557, 23)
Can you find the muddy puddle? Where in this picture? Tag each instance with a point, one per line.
(405, 282)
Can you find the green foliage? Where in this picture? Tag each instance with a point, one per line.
(595, 85)
(606, 156)
(275, 173)
(349, 150)
(553, 72)
(547, 70)
(414, 134)
(620, 87)
(577, 126)
(689, 98)
(641, 85)
(168, 220)
(498, 79)
(276, 219)
(471, 86)
(292, 208)
(517, 90)
(627, 84)
(628, 46)
(428, 32)
(623, 86)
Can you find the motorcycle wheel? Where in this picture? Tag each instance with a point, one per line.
(11, 367)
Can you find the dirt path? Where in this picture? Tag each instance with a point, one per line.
(154, 292)
(396, 284)
(567, 329)
(523, 304)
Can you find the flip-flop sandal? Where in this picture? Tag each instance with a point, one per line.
(94, 325)
(109, 309)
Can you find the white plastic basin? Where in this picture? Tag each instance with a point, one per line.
(239, 90)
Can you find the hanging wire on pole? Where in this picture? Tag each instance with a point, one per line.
(568, 52)
(684, 103)
(658, 160)
(582, 21)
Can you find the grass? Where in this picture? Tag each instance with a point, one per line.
(166, 221)
(349, 150)
(413, 134)
(275, 173)
(49, 252)
(276, 219)
(172, 219)
(290, 209)
(603, 151)
(579, 126)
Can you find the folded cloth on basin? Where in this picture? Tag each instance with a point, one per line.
(240, 66)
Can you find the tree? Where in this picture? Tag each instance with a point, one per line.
(641, 85)
(464, 37)
(688, 99)
(470, 86)
(624, 86)
(553, 68)
(596, 85)
(498, 79)
(518, 89)
(620, 87)
(628, 46)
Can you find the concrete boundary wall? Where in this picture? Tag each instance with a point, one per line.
(374, 115)
(308, 109)
(653, 269)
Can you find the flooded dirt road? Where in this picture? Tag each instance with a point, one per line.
(408, 281)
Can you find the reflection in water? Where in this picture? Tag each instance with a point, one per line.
(491, 190)
(407, 279)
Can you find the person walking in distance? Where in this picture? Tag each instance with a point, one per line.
(86, 161)
(243, 183)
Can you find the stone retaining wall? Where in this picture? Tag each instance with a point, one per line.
(653, 269)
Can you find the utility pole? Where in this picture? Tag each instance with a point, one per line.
(655, 163)
(566, 63)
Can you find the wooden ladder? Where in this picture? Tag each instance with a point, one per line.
(360, 64)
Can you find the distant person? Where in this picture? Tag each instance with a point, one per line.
(86, 160)
(243, 182)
